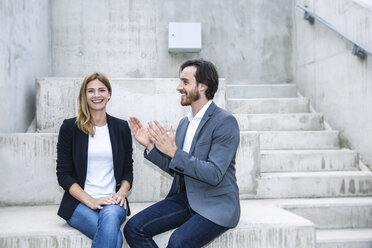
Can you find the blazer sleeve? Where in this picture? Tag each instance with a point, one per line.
(65, 165)
(128, 160)
(222, 150)
(160, 159)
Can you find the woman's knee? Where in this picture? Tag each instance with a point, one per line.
(114, 212)
(85, 220)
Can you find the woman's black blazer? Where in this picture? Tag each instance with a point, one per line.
(72, 154)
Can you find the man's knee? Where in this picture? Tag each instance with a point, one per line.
(174, 243)
(131, 228)
(177, 240)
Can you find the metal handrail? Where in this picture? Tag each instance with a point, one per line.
(358, 49)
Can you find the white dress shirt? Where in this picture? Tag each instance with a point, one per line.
(194, 122)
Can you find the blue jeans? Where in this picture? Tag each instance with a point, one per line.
(193, 230)
(102, 226)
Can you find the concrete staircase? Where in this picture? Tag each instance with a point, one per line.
(298, 187)
(261, 225)
(303, 168)
(29, 193)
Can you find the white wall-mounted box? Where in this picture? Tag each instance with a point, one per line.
(184, 37)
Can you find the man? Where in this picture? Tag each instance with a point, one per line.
(203, 201)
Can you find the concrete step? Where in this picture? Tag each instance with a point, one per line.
(329, 213)
(146, 98)
(297, 140)
(315, 184)
(280, 122)
(308, 160)
(244, 82)
(267, 105)
(30, 160)
(344, 238)
(332, 213)
(261, 225)
(261, 91)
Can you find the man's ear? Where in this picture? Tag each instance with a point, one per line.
(203, 87)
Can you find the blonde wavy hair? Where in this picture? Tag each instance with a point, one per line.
(84, 119)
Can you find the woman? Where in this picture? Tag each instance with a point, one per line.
(94, 166)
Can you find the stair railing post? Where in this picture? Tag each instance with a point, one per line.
(308, 17)
(357, 51)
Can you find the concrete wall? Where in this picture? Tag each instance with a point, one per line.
(29, 163)
(148, 99)
(25, 54)
(249, 40)
(338, 83)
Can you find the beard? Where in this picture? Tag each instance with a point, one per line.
(190, 97)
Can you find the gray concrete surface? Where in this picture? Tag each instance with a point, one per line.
(25, 53)
(267, 105)
(333, 213)
(261, 225)
(261, 91)
(309, 160)
(248, 40)
(338, 83)
(29, 163)
(315, 184)
(344, 238)
(286, 140)
(27, 170)
(280, 122)
(148, 99)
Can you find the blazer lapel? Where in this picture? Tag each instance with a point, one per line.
(181, 132)
(113, 140)
(180, 138)
(204, 120)
(83, 139)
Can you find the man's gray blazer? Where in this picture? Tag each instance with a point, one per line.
(209, 167)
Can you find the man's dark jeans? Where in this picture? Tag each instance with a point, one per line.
(193, 230)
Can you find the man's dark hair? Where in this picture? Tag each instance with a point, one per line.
(206, 73)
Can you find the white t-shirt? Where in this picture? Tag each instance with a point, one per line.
(100, 179)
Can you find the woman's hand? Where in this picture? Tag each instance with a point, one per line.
(100, 202)
(119, 198)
